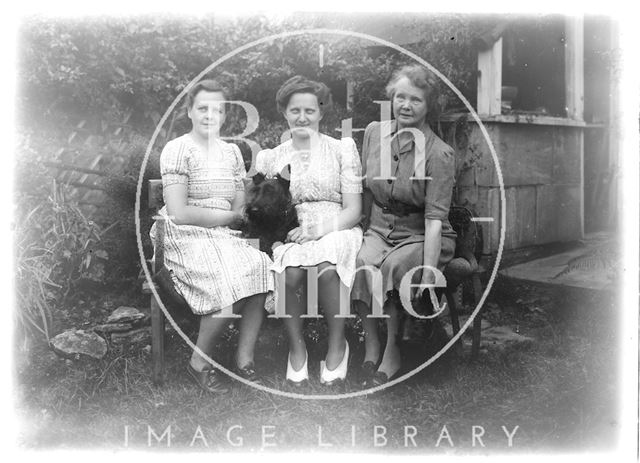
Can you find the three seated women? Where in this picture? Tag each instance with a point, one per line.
(406, 205)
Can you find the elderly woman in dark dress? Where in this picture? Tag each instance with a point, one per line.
(408, 217)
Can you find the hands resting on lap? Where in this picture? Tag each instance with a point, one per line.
(301, 235)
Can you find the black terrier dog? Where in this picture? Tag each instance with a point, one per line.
(270, 213)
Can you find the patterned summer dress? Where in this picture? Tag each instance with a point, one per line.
(317, 183)
(211, 267)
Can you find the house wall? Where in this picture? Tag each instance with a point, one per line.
(541, 168)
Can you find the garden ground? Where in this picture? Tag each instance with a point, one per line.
(560, 391)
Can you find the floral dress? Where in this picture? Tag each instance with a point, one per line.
(318, 181)
(211, 267)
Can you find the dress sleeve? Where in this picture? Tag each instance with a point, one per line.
(367, 197)
(239, 171)
(174, 164)
(264, 162)
(365, 147)
(350, 167)
(441, 169)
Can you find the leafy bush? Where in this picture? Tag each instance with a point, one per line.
(117, 208)
(100, 66)
(57, 251)
(98, 87)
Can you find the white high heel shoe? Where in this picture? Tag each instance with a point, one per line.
(329, 377)
(297, 377)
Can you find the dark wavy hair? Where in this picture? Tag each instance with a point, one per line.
(207, 85)
(300, 84)
(417, 75)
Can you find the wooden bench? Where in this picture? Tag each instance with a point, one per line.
(464, 266)
(173, 301)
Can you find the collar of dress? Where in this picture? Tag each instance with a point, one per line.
(407, 145)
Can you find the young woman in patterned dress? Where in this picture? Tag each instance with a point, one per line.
(326, 189)
(215, 270)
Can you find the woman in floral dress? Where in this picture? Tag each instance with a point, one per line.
(326, 189)
(215, 270)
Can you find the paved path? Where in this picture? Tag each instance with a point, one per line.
(545, 270)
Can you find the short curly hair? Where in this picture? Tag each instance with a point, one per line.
(300, 84)
(417, 75)
(207, 85)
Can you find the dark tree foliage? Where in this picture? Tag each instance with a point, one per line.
(106, 67)
(100, 86)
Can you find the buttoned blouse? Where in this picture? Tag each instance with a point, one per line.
(427, 186)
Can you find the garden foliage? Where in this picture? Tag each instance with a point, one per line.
(100, 86)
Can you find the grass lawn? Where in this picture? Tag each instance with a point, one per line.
(560, 392)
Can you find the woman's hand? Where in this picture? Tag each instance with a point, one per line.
(428, 280)
(301, 235)
(237, 221)
(432, 247)
(181, 213)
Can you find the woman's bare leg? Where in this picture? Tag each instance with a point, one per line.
(329, 300)
(391, 358)
(296, 303)
(371, 337)
(211, 328)
(252, 310)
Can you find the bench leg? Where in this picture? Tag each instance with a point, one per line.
(157, 341)
(477, 322)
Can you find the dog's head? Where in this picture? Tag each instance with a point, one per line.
(268, 198)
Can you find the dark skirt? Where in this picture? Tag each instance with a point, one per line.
(394, 259)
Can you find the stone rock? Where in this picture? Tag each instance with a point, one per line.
(502, 336)
(144, 321)
(131, 337)
(73, 343)
(491, 337)
(112, 327)
(125, 314)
